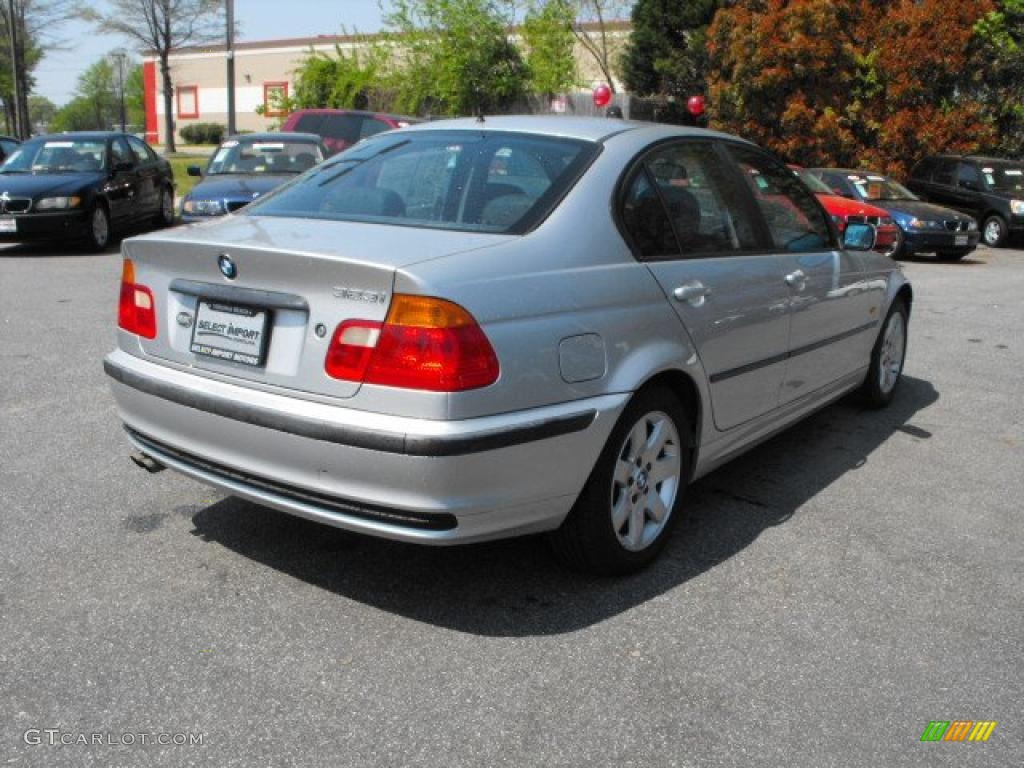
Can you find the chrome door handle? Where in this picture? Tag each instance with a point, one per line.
(796, 279)
(693, 293)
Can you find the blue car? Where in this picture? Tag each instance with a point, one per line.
(246, 167)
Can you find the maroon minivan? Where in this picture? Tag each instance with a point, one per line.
(341, 128)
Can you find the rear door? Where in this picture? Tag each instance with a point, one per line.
(968, 190)
(688, 218)
(834, 308)
(149, 174)
(123, 188)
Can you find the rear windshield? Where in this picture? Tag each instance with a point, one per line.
(469, 181)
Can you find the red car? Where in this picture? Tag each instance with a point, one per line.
(341, 128)
(846, 211)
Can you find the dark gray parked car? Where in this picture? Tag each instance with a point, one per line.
(471, 330)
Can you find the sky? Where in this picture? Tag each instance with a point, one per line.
(58, 72)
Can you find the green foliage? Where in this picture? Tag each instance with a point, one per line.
(135, 96)
(357, 78)
(548, 36)
(203, 133)
(41, 110)
(1000, 48)
(458, 58)
(95, 105)
(667, 53)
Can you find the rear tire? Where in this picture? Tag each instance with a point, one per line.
(165, 216)
(887, 358)
(97, 234)
(634, 495)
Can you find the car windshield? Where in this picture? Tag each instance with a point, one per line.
(468, 181)
(872, 187)
(816, 185)
(57, 155)
(258, 156)
(1004, 177)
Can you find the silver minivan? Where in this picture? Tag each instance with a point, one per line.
(483, 328)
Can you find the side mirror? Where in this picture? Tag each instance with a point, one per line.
(194, 170)
(124, 167)
(859, 237)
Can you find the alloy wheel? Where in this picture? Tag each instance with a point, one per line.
(647, 477)
(890, 363)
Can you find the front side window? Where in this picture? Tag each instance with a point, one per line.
(967, 175)
(58, 156)
(944, 172)
(120, 154)
(143, 154)
(439, 179)
(255, 156)
(795, 220)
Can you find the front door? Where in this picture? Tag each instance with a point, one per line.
(690, 221)
(833, 308)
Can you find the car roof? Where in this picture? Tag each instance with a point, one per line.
(596, 129)
(311, 138)
(83, 135)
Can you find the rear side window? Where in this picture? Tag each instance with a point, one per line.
(924, 169)
(309, 123)
(341, 128)
(468, 181)
(944, 172)
(795, 220)
(699, 203)
(371, 127)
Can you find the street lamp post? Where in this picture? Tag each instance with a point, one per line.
(231, 65)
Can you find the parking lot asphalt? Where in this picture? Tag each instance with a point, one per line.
(827, 596)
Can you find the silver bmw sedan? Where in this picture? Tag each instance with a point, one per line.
(476, 329)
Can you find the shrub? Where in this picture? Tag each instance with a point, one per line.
(203, 133)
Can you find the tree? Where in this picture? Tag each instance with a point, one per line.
(547, 32)
(848, 82)
(160, 26)
(27, 27)
(667, 52)
(1000, 55)
(457, 56)
(591, 30)
(41, 111)
(95, 105)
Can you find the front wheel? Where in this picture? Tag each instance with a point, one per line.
(887, 357)
(994, 231)
(632, 500)
(97, 233)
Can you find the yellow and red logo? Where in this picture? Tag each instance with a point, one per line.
(958, 730)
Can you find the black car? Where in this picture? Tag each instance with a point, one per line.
(246, 167)
(7, 145)
(925, 227)
(990, 189)
(83, 187)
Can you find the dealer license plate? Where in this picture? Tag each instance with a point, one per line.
(230, 332)
(8, 225)
(960, 240)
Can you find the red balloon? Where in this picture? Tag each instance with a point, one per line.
(602, 95)
(695, 105)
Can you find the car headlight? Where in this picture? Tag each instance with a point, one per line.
(972, 225)
(918, 224)
(58, 203)
(203, 207)
(1017, 207)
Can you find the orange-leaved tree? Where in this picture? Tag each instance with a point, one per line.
(874, 83)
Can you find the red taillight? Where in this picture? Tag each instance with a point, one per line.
(424, 343)
(136, 311)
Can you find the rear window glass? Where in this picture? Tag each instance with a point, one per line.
(469, 181)
(309, 123)
(342, 128)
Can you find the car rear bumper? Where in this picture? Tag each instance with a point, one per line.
(409, 479)
(62, 225)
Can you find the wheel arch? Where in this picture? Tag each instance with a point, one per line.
(686, 389)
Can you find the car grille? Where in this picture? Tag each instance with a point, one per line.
(956, 226)
(234, 205)
(15, 204)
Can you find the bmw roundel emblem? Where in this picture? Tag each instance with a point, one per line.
(227, 266)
